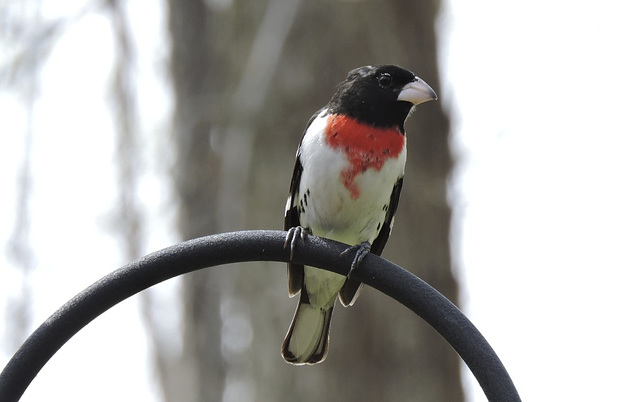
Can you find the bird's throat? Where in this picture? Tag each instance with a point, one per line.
(367, 147)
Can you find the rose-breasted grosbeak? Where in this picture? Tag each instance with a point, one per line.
(345, 187)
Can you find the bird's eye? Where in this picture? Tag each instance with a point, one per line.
(385, 80)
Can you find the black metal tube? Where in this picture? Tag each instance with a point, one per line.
(227, 248)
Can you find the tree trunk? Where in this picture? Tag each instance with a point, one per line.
(247, 76)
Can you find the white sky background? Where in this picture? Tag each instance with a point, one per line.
(545, 98)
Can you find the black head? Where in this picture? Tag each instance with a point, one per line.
(381, 96)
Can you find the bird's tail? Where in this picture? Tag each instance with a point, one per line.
(307, 341)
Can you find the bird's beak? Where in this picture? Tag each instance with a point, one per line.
(416, 92)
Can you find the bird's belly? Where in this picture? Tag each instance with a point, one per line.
(331, 211)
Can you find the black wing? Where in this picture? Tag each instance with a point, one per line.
(385, 231)
(291, 212)
(351, 288)
(291, 220)
(292, 216)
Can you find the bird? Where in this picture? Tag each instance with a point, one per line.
(345, 187)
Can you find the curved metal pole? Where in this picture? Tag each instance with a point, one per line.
(227, 248)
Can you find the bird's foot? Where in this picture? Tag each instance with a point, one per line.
(361, 250)
(295, 235)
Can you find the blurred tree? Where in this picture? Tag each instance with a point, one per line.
(246, 77)
(20, 68)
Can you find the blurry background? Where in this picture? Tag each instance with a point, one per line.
(128, 126)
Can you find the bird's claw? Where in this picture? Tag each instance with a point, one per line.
(294, 235)
(361, 250)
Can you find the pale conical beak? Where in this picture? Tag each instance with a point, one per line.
(417, 92)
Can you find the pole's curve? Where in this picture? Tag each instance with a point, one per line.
(261, 245)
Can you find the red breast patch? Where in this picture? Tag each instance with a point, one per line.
(366, 147)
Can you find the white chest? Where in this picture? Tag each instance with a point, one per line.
(335, 205)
